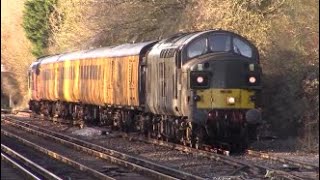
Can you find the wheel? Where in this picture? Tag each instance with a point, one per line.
(199, 137)
(81, 125)
(240, 141)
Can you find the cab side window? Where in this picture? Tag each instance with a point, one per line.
(198, 47)
(241, 47)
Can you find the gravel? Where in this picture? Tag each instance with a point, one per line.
(193, 164)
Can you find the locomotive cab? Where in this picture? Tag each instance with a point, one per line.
(224, 86)
(206, 83)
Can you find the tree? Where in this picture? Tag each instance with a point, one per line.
(36, 23)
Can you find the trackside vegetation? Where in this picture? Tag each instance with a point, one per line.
(36, 23)
(286, 33)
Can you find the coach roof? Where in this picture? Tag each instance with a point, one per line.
(111, 51)
(49, 59)
(117, 51)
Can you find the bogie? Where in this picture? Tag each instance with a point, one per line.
(163, 89)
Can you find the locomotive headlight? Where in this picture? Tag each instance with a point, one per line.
(200, 79)
(231, 100)
(252, 79)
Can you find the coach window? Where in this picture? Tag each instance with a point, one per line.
(98, 72)
(95, 72)
(86, 75)
(89, 72)
(241, 47)
(220, 43)
(197, 48)
(71, 72)
(82, 72)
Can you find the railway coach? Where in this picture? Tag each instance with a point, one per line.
(194, 88)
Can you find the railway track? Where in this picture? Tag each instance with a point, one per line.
(269, 164)
(25, 167)
(249, 166)
(67, 166)
(225, 157)
(180, 161)
(141, 166)
(213, 153)
(298, 164)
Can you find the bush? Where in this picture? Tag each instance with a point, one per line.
(36, 23)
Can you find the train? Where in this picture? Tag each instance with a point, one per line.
(194, 88)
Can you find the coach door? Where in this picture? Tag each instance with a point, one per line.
(32, 84)
(36, 79)
(133, 81)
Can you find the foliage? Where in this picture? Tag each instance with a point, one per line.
(36, 23)
(292, 72)
(285, 32)
(15, 52)
(91, 23)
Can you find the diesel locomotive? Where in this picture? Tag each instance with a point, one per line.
(194, 88)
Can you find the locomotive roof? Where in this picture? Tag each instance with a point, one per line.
(180, 39)
(176, 41)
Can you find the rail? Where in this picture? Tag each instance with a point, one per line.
(58, 156)
(140, 165)
(242, 165)
(283, 160)
(253, 168)
(13, 158)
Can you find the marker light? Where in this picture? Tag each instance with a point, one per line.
(231, 100)
(252, 79)
(200, 79)
(251, 67)
(196, 98)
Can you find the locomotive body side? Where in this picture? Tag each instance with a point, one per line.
(162, 93)
(192, 87)
(209, 81)
(165, 86)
